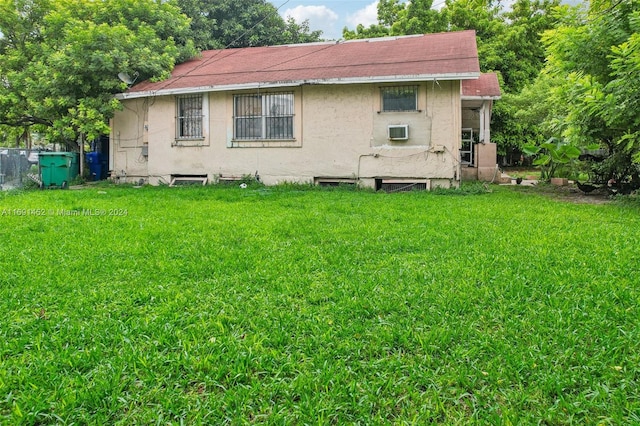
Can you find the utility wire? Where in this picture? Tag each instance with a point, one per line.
(210, 60)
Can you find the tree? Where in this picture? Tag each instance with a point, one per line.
(534, 112)
(395, 18)
(418, 17)
(299, 32)
(389, 12)
(483, 16)
(60, 59)
(509, 42)
(373, 31)
(596, 53)
(219, 24)
(521, 46)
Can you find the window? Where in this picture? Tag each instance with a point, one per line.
(189, 117)
(266, 116)
(399, 98)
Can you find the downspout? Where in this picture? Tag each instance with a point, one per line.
(482, 123)
(458, 176)
(112, 141)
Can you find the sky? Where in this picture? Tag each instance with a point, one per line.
(330, 16)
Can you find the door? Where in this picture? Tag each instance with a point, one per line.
(466, 148)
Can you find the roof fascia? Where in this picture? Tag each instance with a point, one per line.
(295, 83)
(480, 98)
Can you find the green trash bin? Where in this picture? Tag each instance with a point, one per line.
(58, 169)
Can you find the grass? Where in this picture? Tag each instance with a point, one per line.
(298, 306)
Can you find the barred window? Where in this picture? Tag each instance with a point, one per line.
(399, 98)
(264, 116)
(189, 117)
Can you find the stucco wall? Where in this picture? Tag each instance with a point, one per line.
(128, 136)
(339, 132)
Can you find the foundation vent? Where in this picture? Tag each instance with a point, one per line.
(403, 185)
(325, 181)
(177, 180)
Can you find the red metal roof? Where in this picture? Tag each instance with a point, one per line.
(452, 55)
(485, 86)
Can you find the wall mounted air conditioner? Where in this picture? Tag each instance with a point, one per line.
(398, 132)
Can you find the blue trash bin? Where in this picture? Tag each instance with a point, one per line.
(94, 160)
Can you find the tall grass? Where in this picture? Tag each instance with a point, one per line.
(297, 306)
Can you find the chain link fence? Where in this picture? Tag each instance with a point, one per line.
(16, 167)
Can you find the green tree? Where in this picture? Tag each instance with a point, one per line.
(509, 43)
(395, 18)
(218, 24)
(372, 31)
(520, 45)
(418, 17)
(596, 54)
(388, 13)
(295, 32)
(533, 110)
(483, 16)
(60, 60)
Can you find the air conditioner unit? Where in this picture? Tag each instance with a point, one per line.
(398, 132)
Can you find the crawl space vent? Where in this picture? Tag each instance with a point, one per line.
(177, 180)
(395, 185)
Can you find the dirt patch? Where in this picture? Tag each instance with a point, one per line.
(570, 193)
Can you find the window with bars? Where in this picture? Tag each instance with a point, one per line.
(263, 116)
(189, 117)
(399, 98)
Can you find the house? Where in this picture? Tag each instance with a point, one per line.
(396, 111)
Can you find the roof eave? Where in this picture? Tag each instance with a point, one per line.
(480, 98)
(294, 83)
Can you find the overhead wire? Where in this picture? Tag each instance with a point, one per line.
(217, 55)
(219, 51)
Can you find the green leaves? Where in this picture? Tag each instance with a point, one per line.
(624, 89)
(555, 157)
(61, 60)
(242, 23)
(597, 52)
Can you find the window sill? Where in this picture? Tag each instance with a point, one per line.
(190, 142)
(400, 112)
(264, 143)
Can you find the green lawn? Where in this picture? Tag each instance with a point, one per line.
(288, 306)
